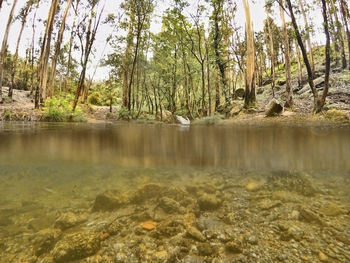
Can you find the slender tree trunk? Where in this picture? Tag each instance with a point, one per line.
(328, 58)
(71, 41)
(32, 88)
(126, 63)
(300, 67)
(40, 94)
(346, 19)
(217, 90)
(301, 3)
(4, 46)
(289, 91)
(58, 49)
(303, 51)
(272, 53)
(250, 96)
(208, 76)
(15, 58)
(339, 34)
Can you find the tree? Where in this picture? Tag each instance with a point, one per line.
(308, 34)
(86, 48)
(271, 47)
(250, 96)
(40, 93)
(58, 49)
(4, 46)
(339, 34)
(303, 52)
(321, 102)
(346, 20)
(23, 16)
(289, 91)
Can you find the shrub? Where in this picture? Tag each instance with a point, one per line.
(337, 115)
(60, 109)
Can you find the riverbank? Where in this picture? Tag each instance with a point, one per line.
(337, 108)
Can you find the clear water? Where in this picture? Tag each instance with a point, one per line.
(48, 169)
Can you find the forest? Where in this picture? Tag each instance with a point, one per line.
(201, 63)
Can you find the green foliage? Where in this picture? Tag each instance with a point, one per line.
(125, 114)
(337, 115)
(95, 99)
(60, 110)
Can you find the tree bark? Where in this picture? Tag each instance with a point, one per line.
(250, 96)
(15, 58)
(272, 53)
(328, 59)
(308, 37)
(303, 52)
(52, 80)
(289, 91)
(40, 94)
(346, 18)
(339, 34)
(4, 46)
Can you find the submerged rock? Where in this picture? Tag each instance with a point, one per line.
(209, 202)
(45, 240)
(170, 205)
(109, 200)
(234, 247)
(292, 181)
(331, 209)
(146, 192)
(76, 246)
(68, 220)
(195, 233)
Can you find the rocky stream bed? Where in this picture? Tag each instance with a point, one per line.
(198, 217)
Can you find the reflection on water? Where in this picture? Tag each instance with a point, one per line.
(166, 193)
(243, 147)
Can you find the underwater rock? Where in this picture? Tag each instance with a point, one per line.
(253, 186)
(45, 240)
(76, 246)
(109, 200)
(268, 204)
(292, 181)
(331, 209)
(170, 205)
(234, 247)
(309, 216)
(292, 232)
(322, 257)
(149, 225)
(68, 220)
(146, 192)
(195, 233)
(209, 202)
(206, 249)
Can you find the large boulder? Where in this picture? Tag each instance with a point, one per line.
(182, 120)
(109, 200)
(274, 108)
(165, 116)
(239, 93)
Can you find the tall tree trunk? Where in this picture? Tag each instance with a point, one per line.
(250, 96)
(328, 58)
(272, 53)
(71, 42)
(346, 19)
(339, 34)
(15, 58)
(300, 67)
(126, 62)
(289, 91)
(52, 80)
(208, 76)
(217, 89)
(40, 94)
(308, 37)
(4, 46)
(32, 52)
(303, 51)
